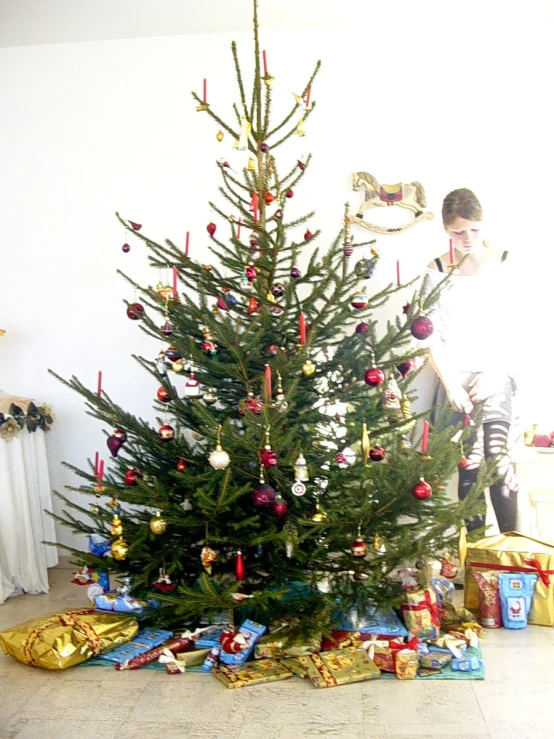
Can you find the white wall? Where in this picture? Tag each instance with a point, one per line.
(90, 128)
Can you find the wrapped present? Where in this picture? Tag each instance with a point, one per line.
(252, 673)
(384, 623)
(444, 589)
(339, 639)
(144, 641)
(339, 667)
(295, 666)
(383, 658)
(512, 552)
(251, 632)
(210, 637)
(194, 658)
(516, 592)
(67, 639)
(470, 663)
(448, 644)
(406, 664)
(421, 613)
(270, 646)
(434, 661)
(121, 602)
(490, 614)
(178, 644)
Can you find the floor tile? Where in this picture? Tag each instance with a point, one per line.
(60, 728)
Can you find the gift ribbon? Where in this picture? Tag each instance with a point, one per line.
(534, 567)
(65, 619)
(427, 605)
(167, 657)
(373, 642)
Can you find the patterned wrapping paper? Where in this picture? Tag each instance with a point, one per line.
(144, 641)
(421, 613)
(512, 552)
(67, 639)
(271, 647)
(338, 667)
(252, 673)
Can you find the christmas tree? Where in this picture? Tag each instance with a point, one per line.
(286, 474)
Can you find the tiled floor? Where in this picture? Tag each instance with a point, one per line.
(514, 702)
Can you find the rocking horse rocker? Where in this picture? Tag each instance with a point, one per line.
(410, 196)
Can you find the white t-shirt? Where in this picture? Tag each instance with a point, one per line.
(475, 320)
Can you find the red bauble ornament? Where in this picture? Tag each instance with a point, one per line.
(250, 272)
(359, 548)
(290, 193)
(405, 367)
(301, 165)
(131, 476)
(173, 354)
(135, 311)
(377, 454)
(463, 462)
(542, 441)
(210, 228)
(263, 496)
(222, 303)
(308, 235)
(362, 327)
(135, 226)
(268, 458)
(422, 327)
(269, 198)
(181, 465)
(422, 490)
(251, 403)
(448, 568)
(240, 574)
(162, 395)
(166, 432)
(359, 301)
(280, 506)
(374, 377)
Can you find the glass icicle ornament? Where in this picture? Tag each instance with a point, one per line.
(219, 459)
(280, 399)
(301, 469)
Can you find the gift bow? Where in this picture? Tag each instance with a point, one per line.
(543, 574)
(167, 657)
(373, 642)
(427, 604)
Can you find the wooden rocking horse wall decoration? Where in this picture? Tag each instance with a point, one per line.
(410, 196)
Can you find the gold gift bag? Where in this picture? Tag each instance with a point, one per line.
(68, 638)
(513, 552)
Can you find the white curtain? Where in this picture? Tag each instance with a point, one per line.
(24, 525)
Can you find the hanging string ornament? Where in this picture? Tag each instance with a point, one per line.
(359, 548)
(280, 399)
(268, 457)
(219, 459)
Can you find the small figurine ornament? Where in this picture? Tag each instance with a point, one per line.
(392, 399)
(163, 583)
(208, 557)
(245, 129)
(301, 469)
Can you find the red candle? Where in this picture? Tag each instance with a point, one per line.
(99, 383)
(308, 97)
(205, 90)
(451, 252)
(425, 439)
(265, 61)
(174, 282)
(467, 420)
(187, 244)
(268, 381)
(96, 456)
(238, 229)
(255, 205)
(398, 272)
(302, 326)
(101, 471)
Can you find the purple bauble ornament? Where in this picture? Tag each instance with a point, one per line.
(126, 248)
(405, 367)
(279, 213)
(264, 148)
(422, 327)
(295, 273)
(166, 329)
(362, 327)
(263, 496)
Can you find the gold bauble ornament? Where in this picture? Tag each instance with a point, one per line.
(177, 366)
(120, 548)
(219, 459)
(219, 135)
(117, 528)
(319, 515)
(308, 368)
(157, 524)
(377, 543)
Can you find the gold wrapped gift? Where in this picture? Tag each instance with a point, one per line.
(337, 667)
(512, 552)
(67, 639)
(251, 673)
(271, 647)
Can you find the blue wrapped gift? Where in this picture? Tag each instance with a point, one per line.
(143, 642)
(383, 623)
(124, 603)
(444, 589)
(209, 639)
(252, 633)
